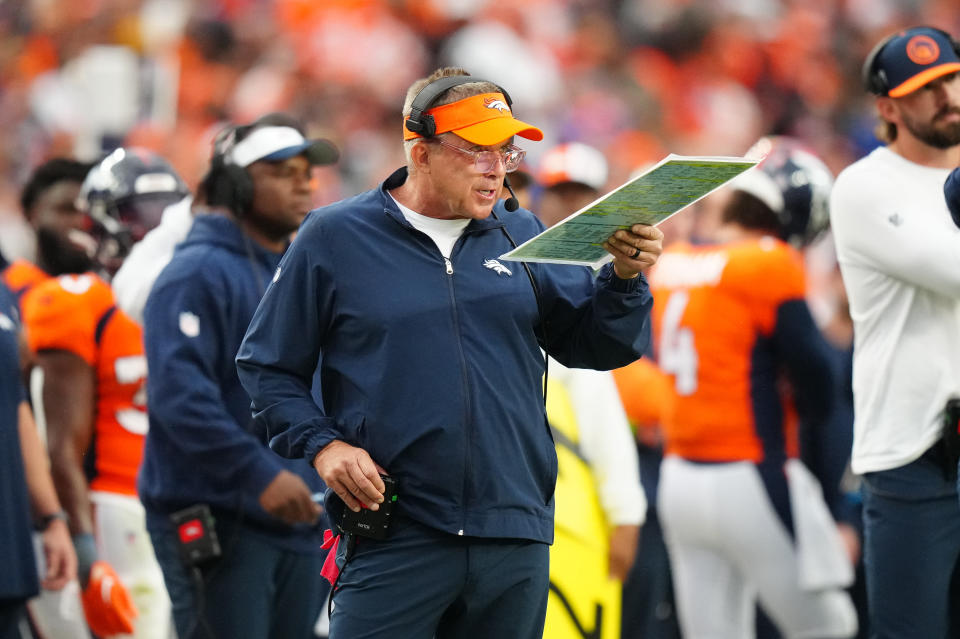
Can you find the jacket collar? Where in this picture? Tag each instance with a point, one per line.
(219, 230)
(399, 176)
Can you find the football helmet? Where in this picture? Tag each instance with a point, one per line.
(794, 183)
(125, 195)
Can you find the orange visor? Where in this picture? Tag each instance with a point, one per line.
(481, 119)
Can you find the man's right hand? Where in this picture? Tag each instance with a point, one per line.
(352, 474)
(289, 499)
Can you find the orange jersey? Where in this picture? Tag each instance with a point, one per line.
(645, 391)
(715, 312)
(76, 313)
(21, 276)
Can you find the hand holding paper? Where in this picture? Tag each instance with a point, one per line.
(650, 198)
(634, 249)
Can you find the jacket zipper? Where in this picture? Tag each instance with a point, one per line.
(466, 394)
(448, 267)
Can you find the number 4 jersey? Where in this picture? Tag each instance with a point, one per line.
(77, 313)
(722, 316)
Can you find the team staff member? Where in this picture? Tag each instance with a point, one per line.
(25, 487)
(267, 583)
(742, 517)
(898, 253)
(431, 369)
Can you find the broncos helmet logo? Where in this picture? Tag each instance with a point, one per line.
(494, 103)
(497, 267)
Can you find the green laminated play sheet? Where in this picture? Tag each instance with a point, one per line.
(649, 198)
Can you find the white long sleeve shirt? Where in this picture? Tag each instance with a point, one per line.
(899, 254)
(606, 442)
(133, 282)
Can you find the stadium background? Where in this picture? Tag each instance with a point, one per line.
(635, 78)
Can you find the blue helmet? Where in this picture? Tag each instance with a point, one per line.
(794, 183)
(128, 190)
(124, 196)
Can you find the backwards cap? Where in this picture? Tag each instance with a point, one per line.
(910, 59)
(481, 119)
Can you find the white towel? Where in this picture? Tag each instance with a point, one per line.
(822, 559)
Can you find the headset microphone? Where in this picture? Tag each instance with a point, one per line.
(511, 203)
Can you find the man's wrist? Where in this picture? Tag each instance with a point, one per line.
(45, 521)
(86, 548)
(616, 272)
(315, 445)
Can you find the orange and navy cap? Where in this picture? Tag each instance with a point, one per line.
(911, 58)
(481, 119)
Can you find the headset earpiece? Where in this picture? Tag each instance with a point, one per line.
(875, 80)
(227, 184)
(421, 122)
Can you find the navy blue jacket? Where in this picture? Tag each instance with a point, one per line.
(203, 446)
(432, 366)
(18, 577)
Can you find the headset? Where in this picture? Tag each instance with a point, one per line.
(422, 123)
(227, 184)
(875, 79)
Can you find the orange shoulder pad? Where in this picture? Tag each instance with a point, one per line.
(22, 275)
(62, 313)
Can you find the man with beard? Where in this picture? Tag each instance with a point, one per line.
(48, 202)
(897, 249)
(89, 383)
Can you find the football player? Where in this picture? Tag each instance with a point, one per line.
(743, 518)
(92, 394)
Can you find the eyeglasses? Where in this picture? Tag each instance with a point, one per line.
(484, 161)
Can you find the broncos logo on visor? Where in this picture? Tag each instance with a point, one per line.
(499, 105)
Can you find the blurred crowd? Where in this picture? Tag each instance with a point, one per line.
(635, 78)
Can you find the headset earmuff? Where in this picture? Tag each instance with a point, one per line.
(227, 184)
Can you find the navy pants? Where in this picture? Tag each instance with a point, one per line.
(12, 614)
(256, 590)
(911, 548)
(422, 583)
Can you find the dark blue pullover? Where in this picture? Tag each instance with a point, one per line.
(432, 365)
(203, 445)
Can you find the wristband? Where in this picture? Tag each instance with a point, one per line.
(86, 549)
(44, 522)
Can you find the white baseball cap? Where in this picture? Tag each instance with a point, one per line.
(276, 143)
(573, 162)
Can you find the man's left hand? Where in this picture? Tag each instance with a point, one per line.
(635, 249)
(624, 540)
(61, 558)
